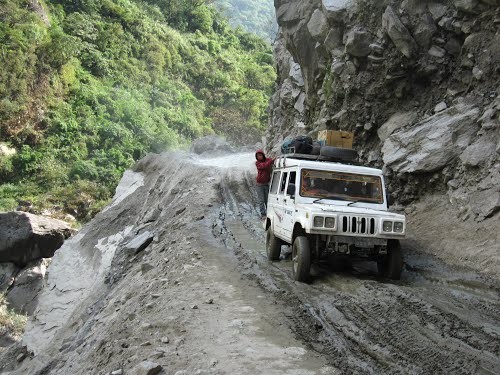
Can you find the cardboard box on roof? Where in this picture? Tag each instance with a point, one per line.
(336, 138)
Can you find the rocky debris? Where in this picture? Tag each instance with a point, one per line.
(211, 145)
(433, 143)
(478, 153)
(26, 237)
(398, 33)
(7, 273)
(147, 368)
(139, 243)
(23, 295)
(358, 43)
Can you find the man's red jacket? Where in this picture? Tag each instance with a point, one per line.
(263, 168)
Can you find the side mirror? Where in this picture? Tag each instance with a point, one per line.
(291, 190)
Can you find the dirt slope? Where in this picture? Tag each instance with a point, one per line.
(202, 298)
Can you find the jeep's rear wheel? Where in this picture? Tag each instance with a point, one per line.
(391, 265)
(273, 245)
(301, 259)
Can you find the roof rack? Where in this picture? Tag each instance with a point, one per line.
(281, 159)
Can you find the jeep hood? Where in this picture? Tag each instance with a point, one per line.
(344, 209)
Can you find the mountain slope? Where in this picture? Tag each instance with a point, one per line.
(89, 87)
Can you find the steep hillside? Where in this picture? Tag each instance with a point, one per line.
(88, 87)
(256, 16)
(417, 81)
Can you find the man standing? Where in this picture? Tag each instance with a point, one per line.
(264, 166)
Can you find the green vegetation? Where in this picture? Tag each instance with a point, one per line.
(88, 87)
(255, 16)
(11, 324)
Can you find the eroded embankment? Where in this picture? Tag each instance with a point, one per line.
(181, 302)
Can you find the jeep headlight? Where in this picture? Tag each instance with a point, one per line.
(319, 221)
(330, 222)
(398, 226)
(387, 226)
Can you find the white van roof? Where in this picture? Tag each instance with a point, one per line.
(325, 166)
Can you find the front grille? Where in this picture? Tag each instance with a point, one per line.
(357, 225)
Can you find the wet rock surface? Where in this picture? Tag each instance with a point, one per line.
(210, 302)
(23, 295)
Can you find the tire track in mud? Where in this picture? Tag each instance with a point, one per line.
(435, 320)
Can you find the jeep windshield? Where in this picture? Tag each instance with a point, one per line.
(341, 186)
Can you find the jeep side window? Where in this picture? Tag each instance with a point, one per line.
(291, 188)
(283, 183)
(275, 183)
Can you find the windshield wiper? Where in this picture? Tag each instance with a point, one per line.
(359, 201)
(335, 198)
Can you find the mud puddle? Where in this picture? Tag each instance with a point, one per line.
(436, 319)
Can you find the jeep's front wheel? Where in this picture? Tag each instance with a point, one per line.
(301, 259)
(273, 245)
(391, 265)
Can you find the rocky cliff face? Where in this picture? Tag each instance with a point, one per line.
(417, 81)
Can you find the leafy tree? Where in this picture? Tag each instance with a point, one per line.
(106, 81)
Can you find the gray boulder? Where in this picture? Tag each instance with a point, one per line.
(469, 6)
(433, 143)
(147, 368)
(296, 74)
(318, 25)
(138, 243)
(27, 237)
(395, 122)
(23, 296)
(398, 33)
(335, 10)
(424, 31)
(437, 10)
(358, 43)
(479, 152)
(485, 203)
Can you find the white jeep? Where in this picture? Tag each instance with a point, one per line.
(328, 209)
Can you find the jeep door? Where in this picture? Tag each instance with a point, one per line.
(279, 209)
(289, 206)
(273, 199)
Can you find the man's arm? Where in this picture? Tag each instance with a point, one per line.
(269, 162)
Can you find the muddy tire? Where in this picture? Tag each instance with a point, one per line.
(301, 259)
(392, 265)
(273, 245)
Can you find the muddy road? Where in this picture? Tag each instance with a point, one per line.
(203, 299)
(436, 319)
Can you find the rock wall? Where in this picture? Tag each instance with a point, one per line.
(416, 81)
